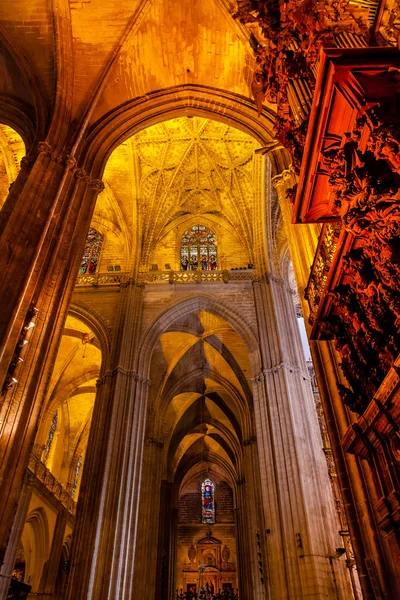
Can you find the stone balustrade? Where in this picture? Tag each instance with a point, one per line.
(42, 473)
(170, 276)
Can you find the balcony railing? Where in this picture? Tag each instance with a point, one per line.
(233, 276)
(102, 279)
(42, 473)
(236, 276)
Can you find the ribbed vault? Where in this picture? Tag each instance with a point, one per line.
(200, 396)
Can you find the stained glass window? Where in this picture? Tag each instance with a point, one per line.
(50, 437)
(207, 504)
(90, 258)
(76, 477)
(198, 249)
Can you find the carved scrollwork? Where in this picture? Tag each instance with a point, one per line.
(291, 36)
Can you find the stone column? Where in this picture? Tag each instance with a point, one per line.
(16, 533)
(50, 572)
(172, 552)
(105, 537)
(252, 551)
(145, 574)
(164, 533)
(297, 496)
(303, 240)
(41, 243)
(354, 477)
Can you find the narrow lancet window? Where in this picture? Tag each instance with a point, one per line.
(208, 504)
(50, 437)
(90, 259)
(76, 477)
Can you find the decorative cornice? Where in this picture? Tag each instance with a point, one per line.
(96, 184)
(27, 162)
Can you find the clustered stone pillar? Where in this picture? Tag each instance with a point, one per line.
(42, 236)
(297, 496)
(303, 240)
(16, 532)
(105, 537)
(165, 579)
(251, 545)
(145, 575)
(353, 476)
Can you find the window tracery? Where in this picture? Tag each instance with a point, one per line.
(50, 437)
(207, 501)
(198, 249)
(76, 476)
(91, 255)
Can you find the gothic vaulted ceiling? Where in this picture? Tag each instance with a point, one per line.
(200, 394)
(179, 169)
(71, 392)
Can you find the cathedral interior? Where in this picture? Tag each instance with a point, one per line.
(200, 299)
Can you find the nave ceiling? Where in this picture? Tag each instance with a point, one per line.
(181, 172)
(200, 397)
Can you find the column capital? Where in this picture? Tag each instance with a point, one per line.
(268, 277)
(95, 184)
(250, 441)
(64, 159)
(121, 371)
(278, 366)
(151, 441)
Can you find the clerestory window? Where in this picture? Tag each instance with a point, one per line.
(198, 249)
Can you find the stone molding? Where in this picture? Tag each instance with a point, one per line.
(151, 441)
(281, 178)
(268, 277)
(37, 471)
(264, 375)
(66, 160)
(250, 441)
(120, 370)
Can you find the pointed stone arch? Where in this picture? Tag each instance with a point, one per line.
(36, 543)
(121, 123)
(207, 304)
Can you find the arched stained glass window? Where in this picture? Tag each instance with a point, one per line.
(50, 437)
(198, 249)
(76, 476)
(207, 502)
(90, 258)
